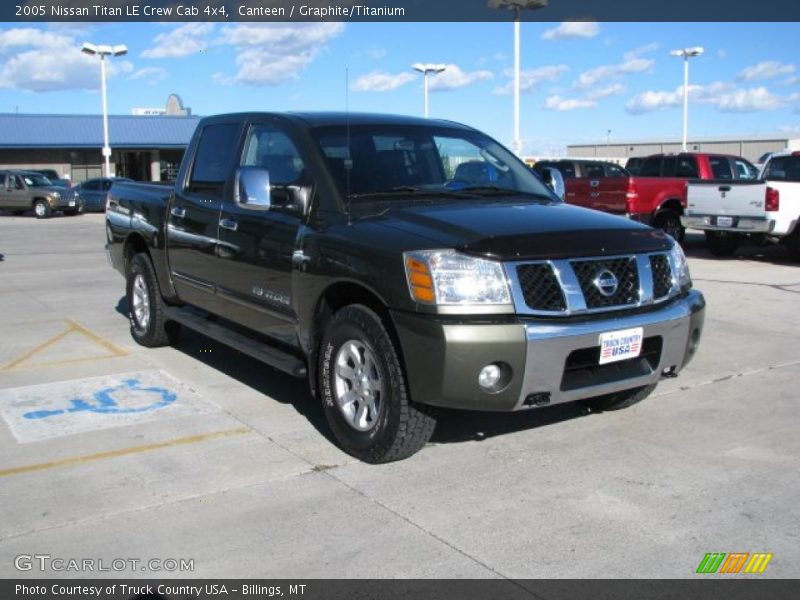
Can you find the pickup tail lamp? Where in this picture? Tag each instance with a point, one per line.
(772, 200)
(447, 277)
(631, 196)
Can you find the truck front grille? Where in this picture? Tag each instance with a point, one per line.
(623, 270)
(540, 288)
(588, 285)
(662, 275)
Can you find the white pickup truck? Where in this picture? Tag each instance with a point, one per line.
(764, 210)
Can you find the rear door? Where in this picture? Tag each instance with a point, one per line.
(194, 213)
(15, 195)
(91, 193)
(613, 189)
(256, 245)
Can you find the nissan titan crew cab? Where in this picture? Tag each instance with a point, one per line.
(401, 265)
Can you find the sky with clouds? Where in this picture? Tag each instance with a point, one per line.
(579, 79)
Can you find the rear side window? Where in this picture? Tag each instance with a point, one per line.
(213, 159)
(720, 167)
(686, 166)
(744, 170)
(651, 167)
(567, 169)
(615, 171)
(783, 168)
(668, 167)
(91, 186)
(594, 170)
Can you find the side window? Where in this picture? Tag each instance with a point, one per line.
(744, 170)
(594, 171)
(567, 169)
(720, 167)
(613, 170)
(91, 186)
(668, 167)
(651, 167)
(212, 160)
(107, 185)
(17, 183)
(686, 166)
(273, 150)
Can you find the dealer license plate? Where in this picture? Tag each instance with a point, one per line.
(620, 345)
(72, 202)
(724, 221)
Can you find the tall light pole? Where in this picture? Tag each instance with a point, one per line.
(427, 69)
(686, 53)
(102, 51)
(517, 6)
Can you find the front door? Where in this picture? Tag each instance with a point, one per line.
(194, 213)
(256, 244)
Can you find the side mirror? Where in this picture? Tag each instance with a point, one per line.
(251, 188)
(555, 181)
(292, 199)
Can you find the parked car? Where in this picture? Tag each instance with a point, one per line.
(634, 164)
(657, 196)
(25, 190)
(94, 192)
(345, 248)
(55, 179)
(768, 209)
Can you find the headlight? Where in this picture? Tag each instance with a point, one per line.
(56, 196)
(448, 277)
(681, 267)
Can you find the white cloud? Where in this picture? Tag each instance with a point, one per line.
(376, 52)
(605, 91)
(530, 79)
(724, 96)
(794, 79)
(38, 61)
(571, 30)
(269, 54)
(650, 101)
(632, 64)
(768, 69)
(379, 81)
(637, 52)
(750, 100)
(151, 75)
(180, 41)
(563, 104)
(453, 78)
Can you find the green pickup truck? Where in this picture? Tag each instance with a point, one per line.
(22, 191)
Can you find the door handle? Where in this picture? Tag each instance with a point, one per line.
(178, 212)
(229, 224)
(724, 188)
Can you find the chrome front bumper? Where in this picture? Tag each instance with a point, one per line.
(676, 329)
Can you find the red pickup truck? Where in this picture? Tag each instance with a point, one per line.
(657, 196)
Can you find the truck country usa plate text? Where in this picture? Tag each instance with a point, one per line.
(620, 345)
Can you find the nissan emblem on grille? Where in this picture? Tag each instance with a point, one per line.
(606, 282)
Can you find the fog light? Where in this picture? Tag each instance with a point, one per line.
(494, 377)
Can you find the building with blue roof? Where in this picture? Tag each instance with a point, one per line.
(145, 148)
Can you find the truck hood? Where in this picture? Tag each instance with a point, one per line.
(525, 231)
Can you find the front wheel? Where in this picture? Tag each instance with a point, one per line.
(149, 326)
(42, 209)
(363, 390)
(722, 243)
(670, 222)
(620, 400)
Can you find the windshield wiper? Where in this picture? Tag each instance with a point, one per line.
(406, 190)
(495, 190)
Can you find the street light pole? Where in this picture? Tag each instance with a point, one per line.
(426, 69)
(517, 6)
(686, 53)
(102, 51)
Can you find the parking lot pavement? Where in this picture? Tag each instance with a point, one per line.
(109, 450)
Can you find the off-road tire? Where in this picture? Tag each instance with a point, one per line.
(402, 427)
(669, 221)
(158, 331)
(722, 244)
(42, 209)
(620, 400)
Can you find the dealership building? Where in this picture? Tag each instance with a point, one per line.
(147, 145)
(751, 147)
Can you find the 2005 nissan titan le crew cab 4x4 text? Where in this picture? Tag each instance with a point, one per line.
(401, 265)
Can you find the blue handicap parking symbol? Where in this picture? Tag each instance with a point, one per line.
(104, 402)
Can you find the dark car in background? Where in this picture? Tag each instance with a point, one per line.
(93, 192)
(55, 179)
(634, 164)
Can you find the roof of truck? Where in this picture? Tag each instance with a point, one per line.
(337, 119)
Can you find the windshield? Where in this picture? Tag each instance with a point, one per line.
(416, 163)
(36, 180)
(783, 168)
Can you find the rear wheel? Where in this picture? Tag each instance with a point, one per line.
(42, 209)
(722, 243)
(363, 390)
(620, 400)
(149, 326)
(670, 222)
